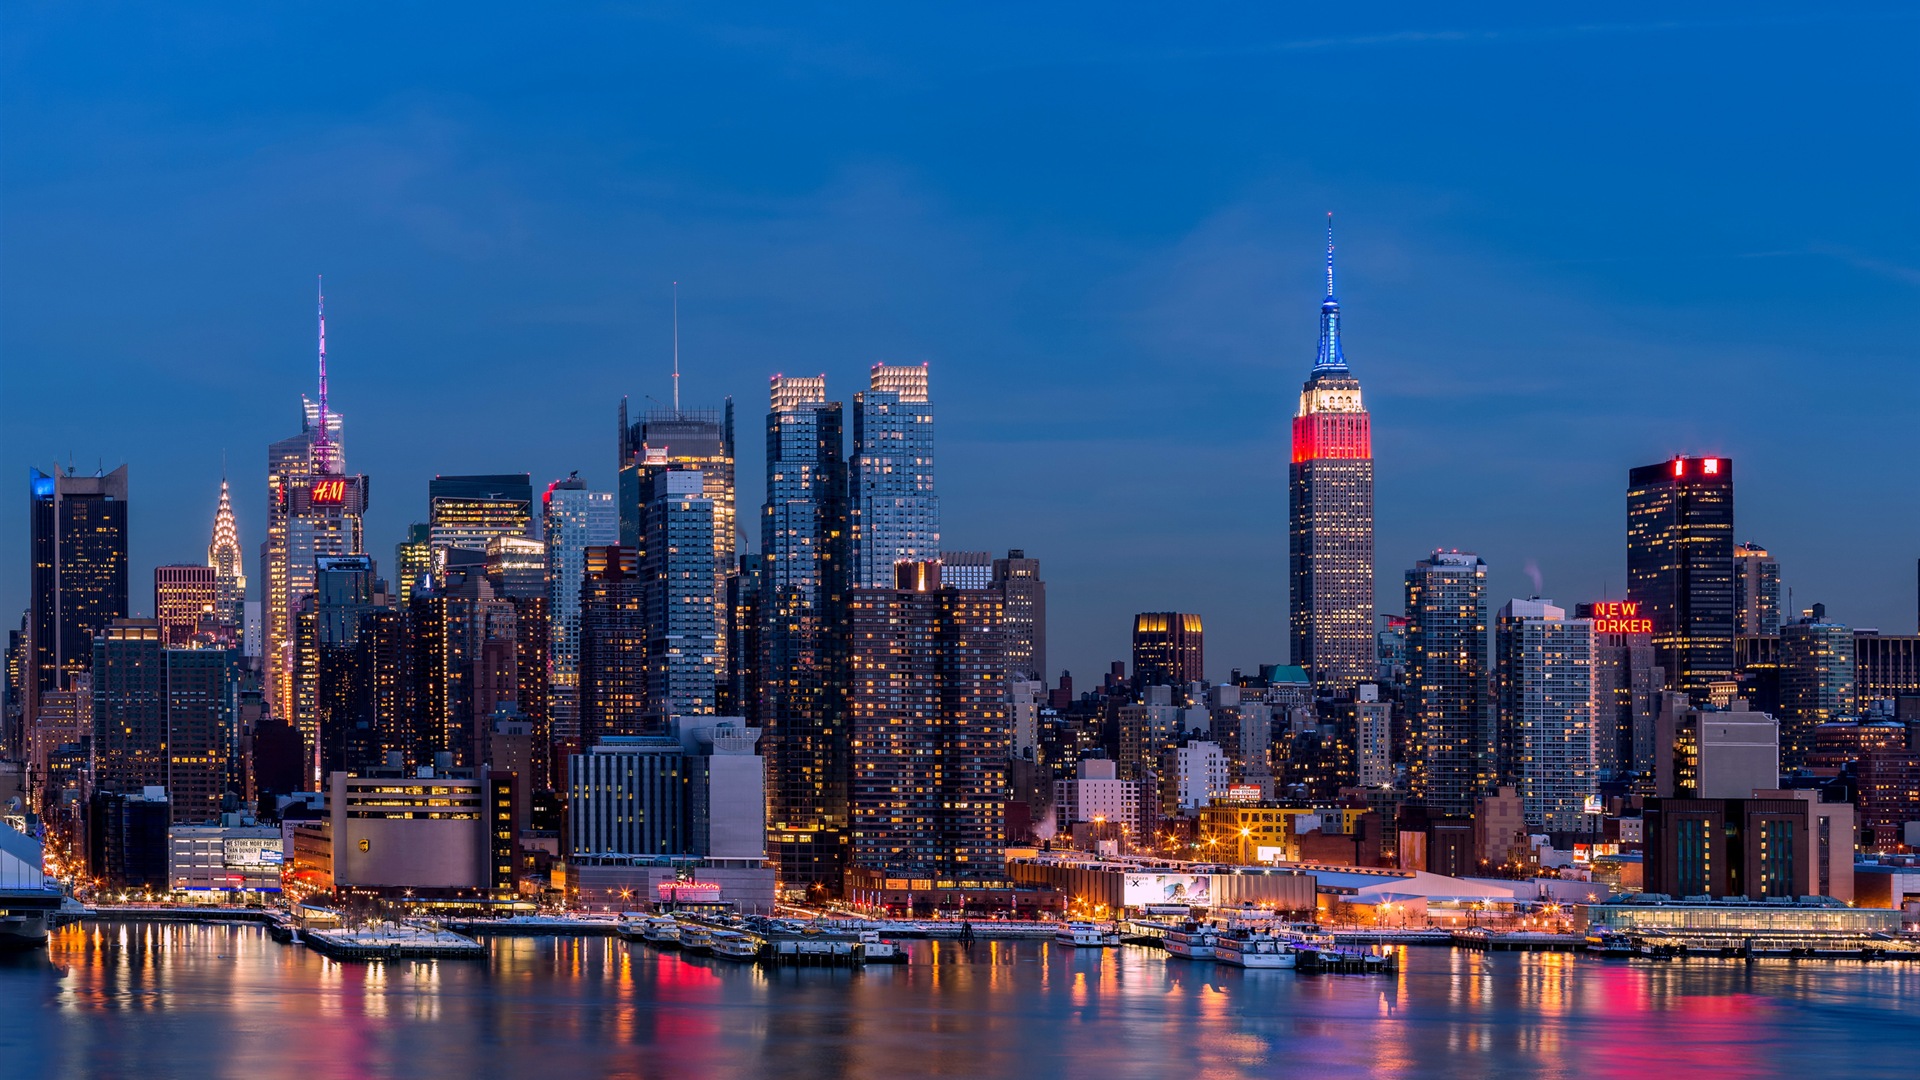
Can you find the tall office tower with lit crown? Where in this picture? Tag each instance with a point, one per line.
(1680, 567)
(229, 572)
(1545, 690)
(930, 727)
(575, 519)
(1450, 756)
(1756, 591)
(676, 439)
(77, 536)
(896, 515)
(1169, 649)
(803, 541)
(464, 512)
(1330, 539)
(315, 508)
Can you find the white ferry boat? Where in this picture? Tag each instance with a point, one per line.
(1083, 935)
(1303, 935)
(661, 933)
(1192, 940)
(733, 945)
(1248, 947)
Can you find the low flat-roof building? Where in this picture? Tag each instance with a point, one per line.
(226, 858)
(1113, 884)
(1809, 917)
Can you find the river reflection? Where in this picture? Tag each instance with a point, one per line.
(156, 1000)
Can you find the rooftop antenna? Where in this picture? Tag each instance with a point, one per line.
(676, 349)
(322, 441)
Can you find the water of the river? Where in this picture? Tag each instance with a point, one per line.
(158, 1001)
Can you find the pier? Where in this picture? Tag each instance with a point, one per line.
(1518, 941)
(393, 942)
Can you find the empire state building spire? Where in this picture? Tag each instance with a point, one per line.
(1332, 357)
(1330, 539)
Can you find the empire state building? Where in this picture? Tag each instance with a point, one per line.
(1330, 539)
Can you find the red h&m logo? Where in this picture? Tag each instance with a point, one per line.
(333, 489)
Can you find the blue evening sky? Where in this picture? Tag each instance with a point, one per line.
(1573, 239)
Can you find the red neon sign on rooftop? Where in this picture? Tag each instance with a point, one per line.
(1620, 617)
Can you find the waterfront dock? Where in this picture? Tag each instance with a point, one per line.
(392, 942)
(539, 926)
(1518, 941)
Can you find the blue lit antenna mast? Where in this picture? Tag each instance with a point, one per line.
(1332, 357)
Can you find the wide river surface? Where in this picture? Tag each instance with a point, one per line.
(152, 1001)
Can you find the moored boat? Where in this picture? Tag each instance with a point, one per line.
(1252, 947)
(1192, 940)
(1085, 935)
(1610, 943)
(695, 939)
(661, 933)
(733, 945)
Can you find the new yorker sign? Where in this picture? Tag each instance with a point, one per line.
(1619, 617)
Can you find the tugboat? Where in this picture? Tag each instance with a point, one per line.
(1085, 935)
(1192, 940)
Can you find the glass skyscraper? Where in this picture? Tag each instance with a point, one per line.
(575, 519)
(804, 545)
(1330, 539)
(684, 663)
(896, 515)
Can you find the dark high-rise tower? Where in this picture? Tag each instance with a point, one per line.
(1680, 567)
(77, 531)
(1330, 541)
(1451, 756)
(804, 545)
(1169, 649)
(930, 727)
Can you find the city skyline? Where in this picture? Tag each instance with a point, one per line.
(1661, 321)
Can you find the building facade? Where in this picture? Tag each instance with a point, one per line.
(1816, 680)
(1025, 595)
(1545, 688)
(929, 725)
(1451, 753)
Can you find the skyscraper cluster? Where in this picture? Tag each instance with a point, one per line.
(617, 676)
